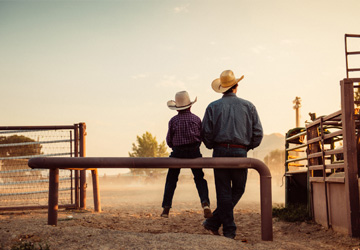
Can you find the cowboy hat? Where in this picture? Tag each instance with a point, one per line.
(182, 101)
(225, 82)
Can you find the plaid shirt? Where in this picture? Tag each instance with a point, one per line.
(184, 128)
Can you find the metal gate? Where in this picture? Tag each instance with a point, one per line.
(24, 188)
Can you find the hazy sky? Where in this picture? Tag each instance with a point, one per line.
(115, 64)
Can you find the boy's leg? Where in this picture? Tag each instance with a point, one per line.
(201, 185)
(170, 186)
(203, 191)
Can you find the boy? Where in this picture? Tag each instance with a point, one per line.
(184, 139)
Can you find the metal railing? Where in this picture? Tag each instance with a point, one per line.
(93, 163)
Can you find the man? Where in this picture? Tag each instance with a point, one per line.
(184, 138)
(231, 127)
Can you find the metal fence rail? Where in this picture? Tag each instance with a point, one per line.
(93, 163)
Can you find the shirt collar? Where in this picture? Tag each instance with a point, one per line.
(228, 95)
(184, 111)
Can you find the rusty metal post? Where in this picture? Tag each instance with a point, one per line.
(53, 196)
(350, 156)
(96, 190)
(77, 189)
(83, 184)
(266, 208)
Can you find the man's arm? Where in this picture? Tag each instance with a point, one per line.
(207, 129)
(257, 130)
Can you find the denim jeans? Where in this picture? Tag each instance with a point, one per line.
(230, 186)
(191, 151)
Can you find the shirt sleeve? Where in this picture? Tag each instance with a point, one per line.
(169, 136)
(207, 129)
(257, 130)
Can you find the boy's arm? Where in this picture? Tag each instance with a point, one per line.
(169, 136)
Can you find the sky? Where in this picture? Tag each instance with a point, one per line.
(115, 64)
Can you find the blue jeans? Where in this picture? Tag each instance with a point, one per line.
(230, 186)
(191, 151)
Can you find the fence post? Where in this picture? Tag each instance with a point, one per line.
(96, 190)
(350, 154)
(53, 196)
(83, 184)
(77, 172)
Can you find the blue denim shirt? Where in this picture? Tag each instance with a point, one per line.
(231, 120)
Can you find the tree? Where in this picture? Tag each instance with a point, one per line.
(275, 161)
(147, 146)
(15, 146)
(18, 150)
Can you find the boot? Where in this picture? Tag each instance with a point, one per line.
(165, 212)
(207, 210)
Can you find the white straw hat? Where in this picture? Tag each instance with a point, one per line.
(182, 101)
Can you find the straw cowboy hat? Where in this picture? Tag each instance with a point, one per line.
(182, 101)
(225, 82)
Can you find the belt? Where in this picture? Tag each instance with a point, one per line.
(226, 145)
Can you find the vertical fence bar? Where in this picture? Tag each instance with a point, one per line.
(346, 58)
(326, 195)
(287, 144)
(77, 172)
(82, 132)
(71, 171)
(350, 154)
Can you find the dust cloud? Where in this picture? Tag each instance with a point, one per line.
(146, 192)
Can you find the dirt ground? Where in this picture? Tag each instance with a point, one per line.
(130, 219)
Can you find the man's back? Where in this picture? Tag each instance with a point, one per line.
(231, 120)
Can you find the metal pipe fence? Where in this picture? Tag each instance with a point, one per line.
(93, 163)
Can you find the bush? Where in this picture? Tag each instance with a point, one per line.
(29, 246)
(292, 213)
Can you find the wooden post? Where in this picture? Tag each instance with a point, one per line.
(350, 156)
(311, 133)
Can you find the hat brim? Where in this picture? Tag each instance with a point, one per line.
(172, 105)
(216, 85)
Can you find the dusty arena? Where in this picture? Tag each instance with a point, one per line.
(130, 219)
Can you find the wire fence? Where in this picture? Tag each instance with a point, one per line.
(21, 186)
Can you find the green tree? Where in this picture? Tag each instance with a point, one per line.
(14, 146)
(147, 146)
